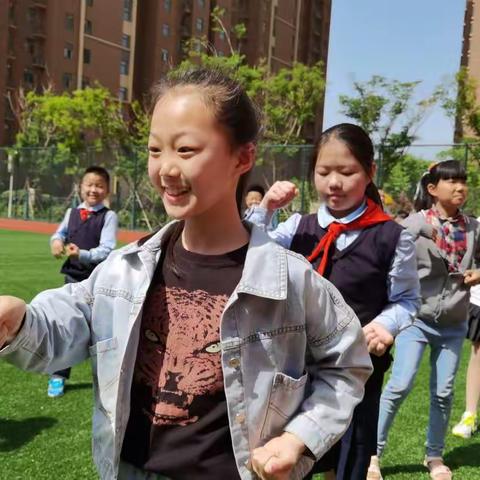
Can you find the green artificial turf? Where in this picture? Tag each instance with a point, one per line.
(43, 438)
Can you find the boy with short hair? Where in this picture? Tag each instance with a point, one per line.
(86, 236)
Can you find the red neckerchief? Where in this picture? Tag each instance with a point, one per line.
(372, 215)
(85, 214)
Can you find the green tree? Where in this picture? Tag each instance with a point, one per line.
(58, 129)
(388, 111)
(289, 99)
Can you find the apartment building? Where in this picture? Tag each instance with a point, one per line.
(126, 45)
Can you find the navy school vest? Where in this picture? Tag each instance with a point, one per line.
(85, 235)
(360, 271)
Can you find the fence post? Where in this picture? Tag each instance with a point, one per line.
(134, 194)
(10, 185)
(302, 200)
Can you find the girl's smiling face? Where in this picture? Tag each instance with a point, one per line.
(192, 161)
(340, 179)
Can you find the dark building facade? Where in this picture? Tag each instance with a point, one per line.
(126, 45)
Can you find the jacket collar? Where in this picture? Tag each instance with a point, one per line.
(265, 270)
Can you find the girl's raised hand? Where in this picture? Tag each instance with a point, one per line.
(471, 277)
(279, 195)
(276, 459)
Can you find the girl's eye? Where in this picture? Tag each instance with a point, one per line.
(154, 151)
(322, 174)
(186, 149)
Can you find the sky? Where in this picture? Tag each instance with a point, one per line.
(405, 40)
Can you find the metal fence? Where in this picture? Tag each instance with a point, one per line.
(40, 184)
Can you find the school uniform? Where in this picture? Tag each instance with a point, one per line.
(375, 271)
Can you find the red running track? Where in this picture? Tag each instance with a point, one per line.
(126, 236)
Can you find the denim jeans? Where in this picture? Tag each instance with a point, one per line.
(446, 346)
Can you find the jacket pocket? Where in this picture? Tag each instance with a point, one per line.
(286, 397)
(105, 371)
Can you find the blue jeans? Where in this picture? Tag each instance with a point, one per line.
(446, 346)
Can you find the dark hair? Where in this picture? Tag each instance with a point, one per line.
(402, 214)
(360, 145)
(256, 188)
(446, 170)
(100, 171)
(233, 109)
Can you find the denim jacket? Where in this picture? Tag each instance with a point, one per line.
(293, 353)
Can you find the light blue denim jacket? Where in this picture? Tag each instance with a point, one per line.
(294, 356)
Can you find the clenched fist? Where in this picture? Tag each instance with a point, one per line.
(378, 338)
(279, 195)
(276, 459)
(12, 311)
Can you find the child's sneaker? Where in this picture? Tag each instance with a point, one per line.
(467, 426)
(56, 386)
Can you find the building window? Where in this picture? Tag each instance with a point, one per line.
(28, 77)
(221, 35)
(165, 30)
(126, 40)
(89, 3)
(201, 3)
(199, 24)
(123, 94)
(124, 62)
(87, 55)
(127, 10)
(88, 27)
(68, 51)
(167, 4)
(69, 22)
(67, 80)
(164, 55)
(85, 82)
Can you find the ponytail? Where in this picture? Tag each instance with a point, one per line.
(422, 199)
(446, 170)
(373, 194)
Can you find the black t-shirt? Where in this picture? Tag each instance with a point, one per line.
(178, 423)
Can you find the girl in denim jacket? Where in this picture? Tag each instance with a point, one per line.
(215, 352)
(448, 254)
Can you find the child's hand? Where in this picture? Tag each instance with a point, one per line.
(276, 459)
(72, 250)
(279, 195)
(57, 248)
(12, 310)
(471, 277)
(378, 338)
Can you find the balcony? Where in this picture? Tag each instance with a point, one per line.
(42, 4)
(38, 61)
(37, 30)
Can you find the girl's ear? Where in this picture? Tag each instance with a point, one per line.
(431, 189)
(246, 157)
(373, 171)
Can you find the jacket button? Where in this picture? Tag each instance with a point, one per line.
(240, 418)
(234, 362)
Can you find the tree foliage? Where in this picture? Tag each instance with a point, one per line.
(389, 112)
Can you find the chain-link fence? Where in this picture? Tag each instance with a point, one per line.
(40, 184)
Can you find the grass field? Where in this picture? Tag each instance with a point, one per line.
(41, 438)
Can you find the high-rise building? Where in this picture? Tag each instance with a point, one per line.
(126, 45)
(470, 52)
